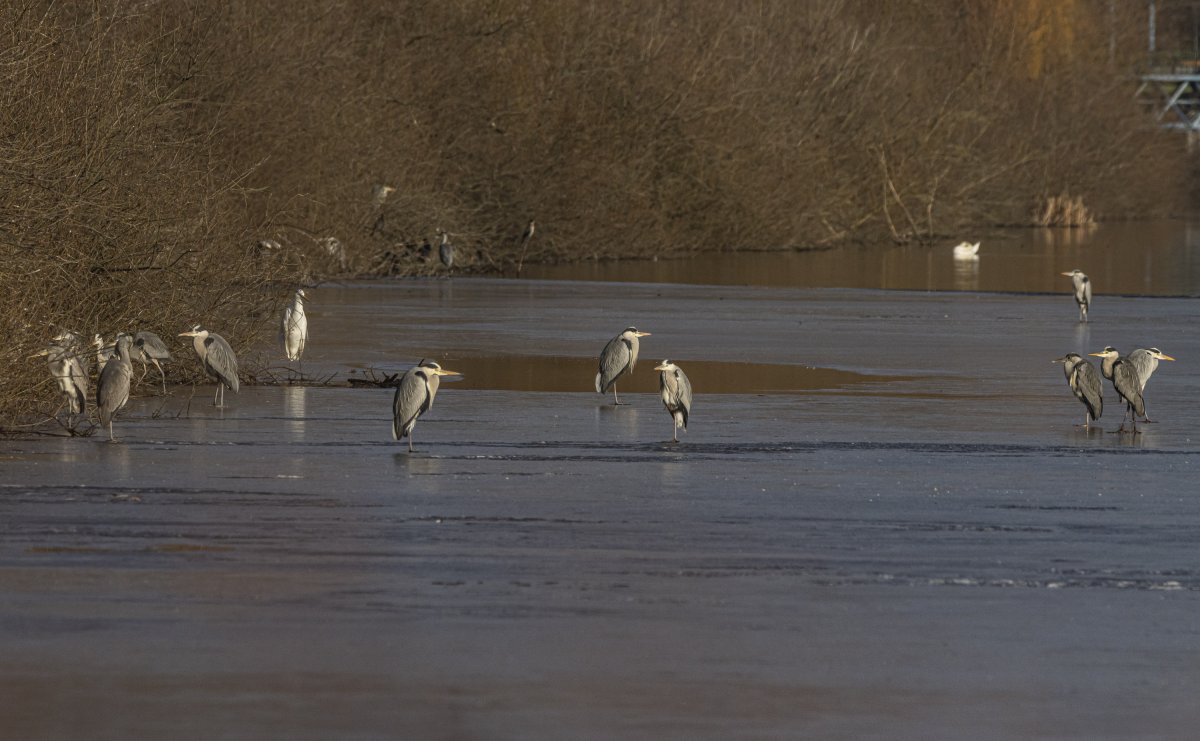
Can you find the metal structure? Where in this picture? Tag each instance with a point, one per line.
(1173, 98)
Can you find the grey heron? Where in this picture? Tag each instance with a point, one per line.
(149, 348)
(218, 360)
(676, 391)
(414, 396)
(1146, 362)
(69, 374)
(1083, 292)
(446, 250)
(525, 237)
(1085, 384)
(618, 358)
(104, 351)
(1124, 377)
(112, 391)
(293, 331)
(72, 342)
(335, 249)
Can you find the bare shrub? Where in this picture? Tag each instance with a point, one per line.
(168, 163)
(113, 216)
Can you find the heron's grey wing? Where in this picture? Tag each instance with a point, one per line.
(408, 403)
(1091, 389)
(613, 361)
(112, 391)
(1087, 293)
(1145, 364)
(685, 394)
(1125, 380)
(220, 361)
(152, 345)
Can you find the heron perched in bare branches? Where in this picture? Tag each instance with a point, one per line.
(414, 396)
(379, 193)
(617, 358)
(335, 249)
(1085, 384)
(1124, 377)
(218, 360)
(676, 392)
(1083, 292)
(148, 348)
(112, 391)
(293, 331)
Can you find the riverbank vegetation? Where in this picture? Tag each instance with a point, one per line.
(168, 163)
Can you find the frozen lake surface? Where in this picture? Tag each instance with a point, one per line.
(903, 538)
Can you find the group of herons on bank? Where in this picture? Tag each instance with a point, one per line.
(1128, 374)
(415, 391)
(418, 387)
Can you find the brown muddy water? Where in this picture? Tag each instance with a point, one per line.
(882, 523)
(1147, 259)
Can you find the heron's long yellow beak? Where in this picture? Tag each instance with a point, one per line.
(1164, 356)
(641, 334)
(39, 354)
(444, 372)
(1067, 274)
(188, 334)
(1097, 354)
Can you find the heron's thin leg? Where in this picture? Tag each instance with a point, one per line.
(162, 373)
(616, 399)
(410, 437)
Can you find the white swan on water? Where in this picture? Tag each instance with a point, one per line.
(966, 251)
